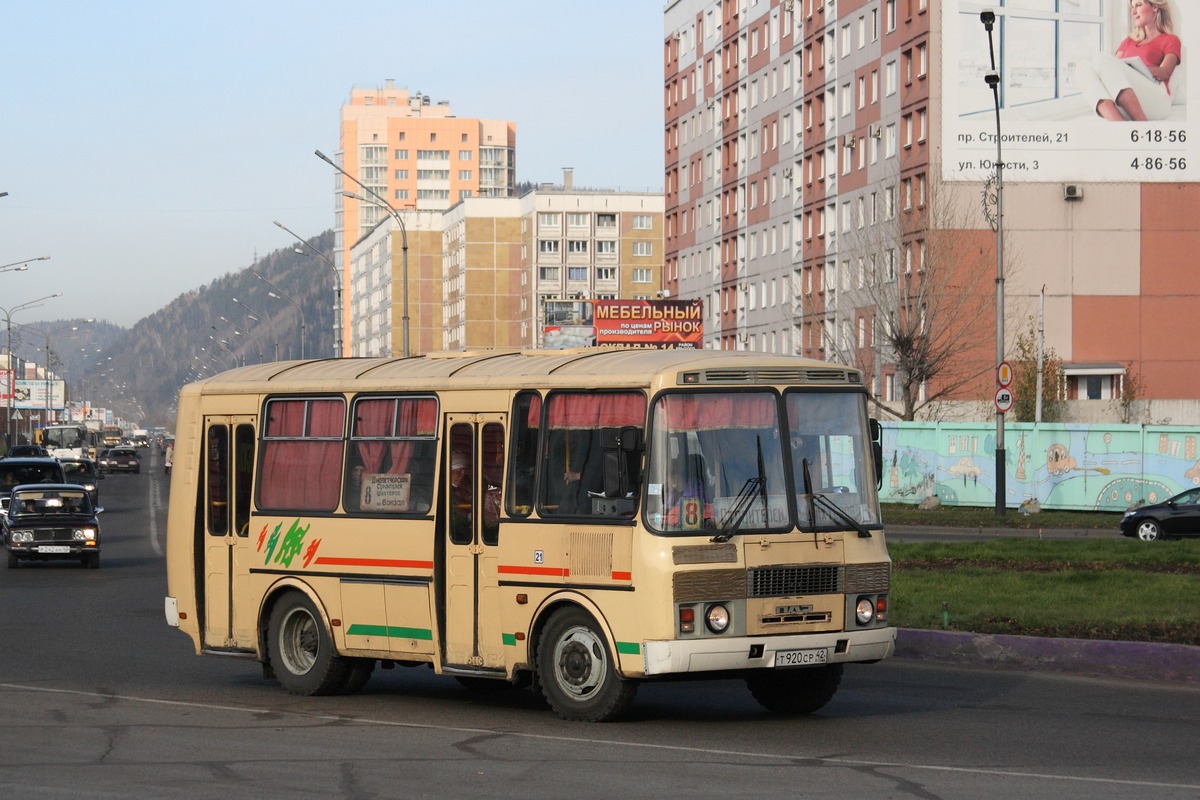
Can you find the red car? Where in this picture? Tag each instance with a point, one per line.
(123, 459)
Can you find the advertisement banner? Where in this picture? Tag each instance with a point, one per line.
(33, 394)
(1079, 101)
(649, 323)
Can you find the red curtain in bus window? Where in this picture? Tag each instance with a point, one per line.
(302, 474)
(612, 410)
(713, 411)
(388, 418)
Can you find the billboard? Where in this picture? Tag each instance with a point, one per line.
(39, 394)
(1060, 63)
(623, 323)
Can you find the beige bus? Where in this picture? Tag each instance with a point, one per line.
(579, 520)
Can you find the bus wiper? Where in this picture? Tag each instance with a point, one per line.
(732, 521)
(834, 509)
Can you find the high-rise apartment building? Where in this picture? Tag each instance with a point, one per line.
(418, 156)
(817, 150)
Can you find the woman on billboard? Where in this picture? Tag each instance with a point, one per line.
(1134, 84)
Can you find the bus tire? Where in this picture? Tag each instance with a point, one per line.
(576, 671)
(301, 651)
(795, 691)
(358, 672)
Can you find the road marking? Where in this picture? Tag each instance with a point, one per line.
(723, 753)
(155, 504)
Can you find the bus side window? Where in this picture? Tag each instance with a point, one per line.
(527, 417)
(578, 425)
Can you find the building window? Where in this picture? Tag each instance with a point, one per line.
(577, 246)
(464, 174)
(548, 274)
(402, 194)
(578, 220)
(606, 247)
(606, 273)
(643, 275)
(607, 221)
(642, 222)
(548, 246)
(643, 248)
(401, 155)
(577, 274)
(549, 220)
(465, 155)
(401, 174)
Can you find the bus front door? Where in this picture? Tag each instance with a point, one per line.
(474, 460)
(226, 486)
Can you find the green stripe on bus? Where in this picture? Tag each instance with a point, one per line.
(629, 648)
(390, 632)
(508, 639)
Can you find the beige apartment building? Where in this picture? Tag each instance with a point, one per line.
(481, 272)
(815, 146)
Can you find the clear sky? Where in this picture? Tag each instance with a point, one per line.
(146, 147)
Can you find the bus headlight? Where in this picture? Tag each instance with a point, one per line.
(864, 610)
(716, 618)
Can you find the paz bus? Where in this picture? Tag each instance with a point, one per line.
(577, 520)
(69, 440)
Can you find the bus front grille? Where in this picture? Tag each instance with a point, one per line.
(794, 581)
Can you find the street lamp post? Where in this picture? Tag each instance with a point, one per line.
(337, 283)
(21, 266)
(992, 78)
(8, 312)
(382, 203)
(280, 294)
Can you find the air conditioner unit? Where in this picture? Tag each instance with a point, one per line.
(874, 130)
(848, 140)
(1072, 191)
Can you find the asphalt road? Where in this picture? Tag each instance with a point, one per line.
(101, 699)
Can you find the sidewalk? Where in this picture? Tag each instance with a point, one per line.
(1174, 663)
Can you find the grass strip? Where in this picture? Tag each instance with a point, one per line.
(1096, 589)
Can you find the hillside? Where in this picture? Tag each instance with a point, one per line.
(201, 332)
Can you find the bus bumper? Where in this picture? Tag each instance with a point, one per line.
(712, 654)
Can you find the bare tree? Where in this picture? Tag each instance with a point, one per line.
(915, 270)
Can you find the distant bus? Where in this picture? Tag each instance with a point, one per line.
(112, 435)
(70, 440)
(579, 520)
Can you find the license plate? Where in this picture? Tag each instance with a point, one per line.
(53, 548)
(802, 658)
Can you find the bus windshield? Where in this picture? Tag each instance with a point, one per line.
(717, 461)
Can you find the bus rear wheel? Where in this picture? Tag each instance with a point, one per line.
(300, 649)
(795, 691)
(576, 670)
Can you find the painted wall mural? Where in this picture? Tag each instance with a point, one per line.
(1081, 467)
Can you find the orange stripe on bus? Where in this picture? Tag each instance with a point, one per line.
(375, 562)
(622, 576)
(562, 572)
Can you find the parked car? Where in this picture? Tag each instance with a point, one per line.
(27, 451)
(1178, 516)
(51, 521)
(123, 459)
(84, 472)
(16, 471)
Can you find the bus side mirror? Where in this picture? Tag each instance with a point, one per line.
(877, 451)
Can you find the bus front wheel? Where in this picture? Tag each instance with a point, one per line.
(576, 670)
(301, 651)
(795, 691)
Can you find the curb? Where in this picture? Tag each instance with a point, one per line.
(1174, 663)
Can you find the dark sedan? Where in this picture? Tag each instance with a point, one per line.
(123, 459)
(84, 472)
(51, 521)
(1178, 516)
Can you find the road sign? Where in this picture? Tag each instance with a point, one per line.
(1004, 374)
(1004, 400)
